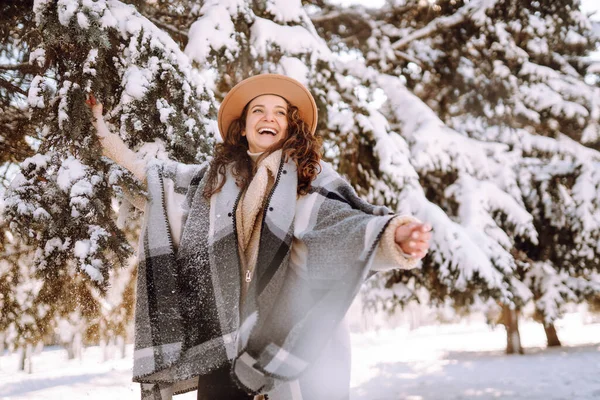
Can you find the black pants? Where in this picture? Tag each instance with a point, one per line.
(219, 386)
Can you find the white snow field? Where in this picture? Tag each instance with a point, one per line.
(444, 362)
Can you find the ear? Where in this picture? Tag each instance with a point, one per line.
(244, 132)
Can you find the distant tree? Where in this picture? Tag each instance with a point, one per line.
(509, 73)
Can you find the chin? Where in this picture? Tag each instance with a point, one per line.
(265, 145)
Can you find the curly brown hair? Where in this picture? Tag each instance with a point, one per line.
(300, 145)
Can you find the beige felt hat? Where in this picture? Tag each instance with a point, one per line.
(290, 89)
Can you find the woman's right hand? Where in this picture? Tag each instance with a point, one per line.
(95, 106)
(113, 146)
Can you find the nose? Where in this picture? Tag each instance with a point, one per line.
(269, 116)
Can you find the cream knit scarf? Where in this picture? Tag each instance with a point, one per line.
(249, 214)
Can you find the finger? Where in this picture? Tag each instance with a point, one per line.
(418, 235)
(419, 254)
(422, 228)
(418, 245)
(415, 247)
(425, 236)
(403, 232)
(411, 226)
(416, 254)
(421, 246)
(426, 228)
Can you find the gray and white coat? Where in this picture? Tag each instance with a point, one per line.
(314, 253)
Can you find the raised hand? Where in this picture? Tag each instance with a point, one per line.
(414, 238)
(95, 106)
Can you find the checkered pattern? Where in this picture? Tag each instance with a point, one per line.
(187, 310)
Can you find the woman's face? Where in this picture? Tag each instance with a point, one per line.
(266, 122)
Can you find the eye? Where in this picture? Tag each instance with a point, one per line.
(281, 112)
(257, 110)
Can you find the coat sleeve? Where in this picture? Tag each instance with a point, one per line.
(179, 185)
(388, 254)
(114, 148)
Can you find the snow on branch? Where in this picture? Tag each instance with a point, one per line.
(474, 10)
(594, 68)
(62, 198)
(555, 287)
(290, 39)
(214, 31)
(477, 245)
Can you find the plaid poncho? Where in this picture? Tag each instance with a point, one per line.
(188, 322)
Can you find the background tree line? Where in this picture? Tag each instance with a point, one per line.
(479, 116)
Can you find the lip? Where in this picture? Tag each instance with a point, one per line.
(267, 127)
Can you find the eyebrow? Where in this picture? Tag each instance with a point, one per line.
(262, 105)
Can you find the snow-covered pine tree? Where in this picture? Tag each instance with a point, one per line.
(468, 187)
(62, 201)
(509, 72)
(20, 321)
(16, 31)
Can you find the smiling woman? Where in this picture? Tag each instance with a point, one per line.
(250, 110)
(266, 122)
(249, 263)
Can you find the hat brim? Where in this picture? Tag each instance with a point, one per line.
(290, 89)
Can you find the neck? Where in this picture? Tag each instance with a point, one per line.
(255, 156)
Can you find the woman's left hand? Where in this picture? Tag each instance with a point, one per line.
(413, 239)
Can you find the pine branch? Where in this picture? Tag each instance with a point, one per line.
(16, 253)
(409, 58)
(565, 66)
(12, 88)
(179, 35)
(358, 13)
(445, 22)
(25, 68)
(432, 28)
(4, 179)
(326, 17)
(16, 152)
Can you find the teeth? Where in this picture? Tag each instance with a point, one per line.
(269, 130)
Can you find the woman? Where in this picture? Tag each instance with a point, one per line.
(249, 263)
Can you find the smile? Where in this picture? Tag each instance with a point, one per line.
(267, 131)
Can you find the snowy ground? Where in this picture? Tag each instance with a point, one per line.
(445, 362)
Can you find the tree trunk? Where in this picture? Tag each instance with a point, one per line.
(29, 357)
(25, 360)
(1, 345)
(74, 346)
(78, 345)
(70, 349)
(510, 319)
(104, 346)
(551, 335)
(122, 346)
(22, 357)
